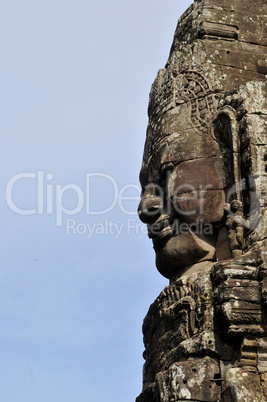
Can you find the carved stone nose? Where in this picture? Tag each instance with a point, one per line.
(150, 208)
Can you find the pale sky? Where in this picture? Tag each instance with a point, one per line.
(78, 273)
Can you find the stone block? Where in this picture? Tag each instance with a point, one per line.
(238, 289)
(249, 349)
(190, 380)
(241, 385)
(262, 355)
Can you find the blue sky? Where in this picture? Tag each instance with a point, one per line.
(77, 273)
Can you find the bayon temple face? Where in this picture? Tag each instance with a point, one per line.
(186, 175)
(202, 152)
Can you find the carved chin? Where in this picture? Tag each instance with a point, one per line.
(181, 251)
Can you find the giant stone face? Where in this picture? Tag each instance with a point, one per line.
(184, 177)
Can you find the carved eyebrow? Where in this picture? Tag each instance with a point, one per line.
(144, 176)
(169, 165)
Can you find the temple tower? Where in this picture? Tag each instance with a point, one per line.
(204, 184)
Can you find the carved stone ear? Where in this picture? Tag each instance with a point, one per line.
(225, 131)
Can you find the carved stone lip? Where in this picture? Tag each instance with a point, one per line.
(163, 230)
(164, 235)
(160, 230)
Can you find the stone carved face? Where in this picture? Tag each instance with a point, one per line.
(183, 189)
